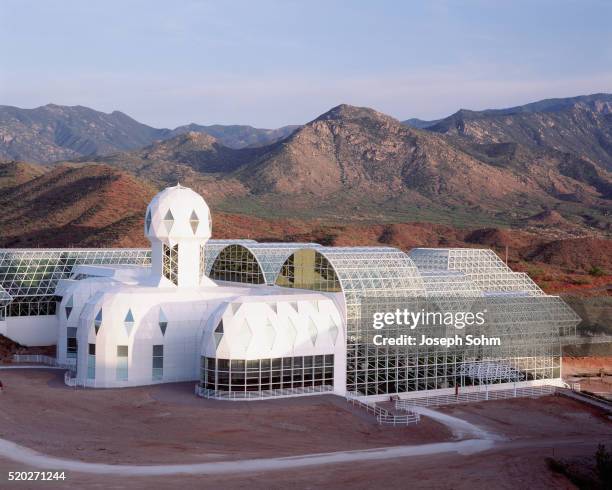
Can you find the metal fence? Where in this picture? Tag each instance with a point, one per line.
(260, 395)
(40, 359)
(476, 396)
(384, 417)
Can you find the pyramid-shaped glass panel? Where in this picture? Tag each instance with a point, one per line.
(168, 221)
(194, 221)
(98, 321)
(148, 221)
(163, 322)
(129, 322)
(68, 307)
(313, 331)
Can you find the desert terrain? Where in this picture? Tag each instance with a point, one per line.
(168, 425)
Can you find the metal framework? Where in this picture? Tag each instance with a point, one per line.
(255, 263)
(29, 276)
(383, 276)
(170, 262)
(209, 252)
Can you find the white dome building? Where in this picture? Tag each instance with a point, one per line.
(257, 320)
(136, 325)
(178, 225)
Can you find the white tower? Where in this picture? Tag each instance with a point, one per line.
(178, 225)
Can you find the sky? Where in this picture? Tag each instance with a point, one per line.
(271, 63)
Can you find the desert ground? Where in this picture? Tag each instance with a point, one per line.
(168, 425)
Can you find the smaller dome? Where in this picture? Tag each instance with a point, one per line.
(178, 213)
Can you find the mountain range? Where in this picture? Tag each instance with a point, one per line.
(72, 175)
(51, 133)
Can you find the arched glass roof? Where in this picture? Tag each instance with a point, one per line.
(269, 257)
(212, 249)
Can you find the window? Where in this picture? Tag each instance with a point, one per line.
(163, 322)
(91, 361)
(158, 362)
(194, 221)
(98, 321)
(218, 333)
(33, 306)
(235, 263)
(128, 323)
(122, 363)
(148, 221)
(237, 375)
(68, 307)
(71, 342)
(168, 221)
(308, 269)
(170, 263)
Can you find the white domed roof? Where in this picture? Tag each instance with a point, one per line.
(178, 213)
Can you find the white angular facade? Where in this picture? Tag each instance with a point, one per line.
(254, 320)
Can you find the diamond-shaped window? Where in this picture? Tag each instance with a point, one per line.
(168, 221)
(218, 333)
(148, 221)
(194, 221)
(68, 307)
(98, 321)
(129, 322)
(163, 322)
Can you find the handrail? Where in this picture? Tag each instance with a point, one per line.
(259, 395)
(384, 417)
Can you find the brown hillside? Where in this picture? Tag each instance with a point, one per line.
(70, 204)
(576, 254)
(354, 163)
(16, 173)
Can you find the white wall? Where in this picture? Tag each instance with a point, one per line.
(32, 330)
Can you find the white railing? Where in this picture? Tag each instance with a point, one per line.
(40, 359)
(260, 395)
(476, 396)
(384, 417)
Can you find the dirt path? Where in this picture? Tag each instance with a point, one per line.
(20, 454)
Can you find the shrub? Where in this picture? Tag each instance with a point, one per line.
(596, 271)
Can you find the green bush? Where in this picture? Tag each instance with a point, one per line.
(596, 271)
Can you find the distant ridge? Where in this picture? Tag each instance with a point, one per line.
(53, 133)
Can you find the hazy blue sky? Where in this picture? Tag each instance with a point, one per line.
(270, 63)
